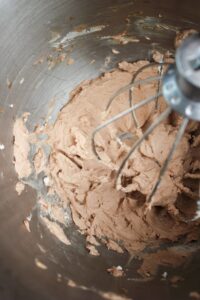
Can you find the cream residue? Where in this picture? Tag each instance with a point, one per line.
(21, 148)
(116, 271)
(19, 187)
(56, 230)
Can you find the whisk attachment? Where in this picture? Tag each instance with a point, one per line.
(160, 66)
(169, 157)
(137, 144)
(160, 71)
(129, 86)
(180, 89)
(126, 112)
(116, 117)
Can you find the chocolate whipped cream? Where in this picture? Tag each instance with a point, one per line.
(116, 217)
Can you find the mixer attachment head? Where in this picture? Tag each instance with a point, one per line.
(181, 83)
(180, 87)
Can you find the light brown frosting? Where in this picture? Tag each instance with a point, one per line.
(116, 217)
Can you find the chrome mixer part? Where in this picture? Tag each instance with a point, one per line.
(136, 83)
(125, 112)
(139, 71)
(181, 83)
(181, 90)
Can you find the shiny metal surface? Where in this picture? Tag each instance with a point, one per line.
(26, 28)
(181, 83)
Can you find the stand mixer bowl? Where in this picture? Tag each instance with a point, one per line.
(29, 31)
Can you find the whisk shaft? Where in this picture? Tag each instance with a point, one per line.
(160, 118)
(118, 116)
(169, 157)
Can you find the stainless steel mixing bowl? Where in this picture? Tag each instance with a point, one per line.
(27, 27)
